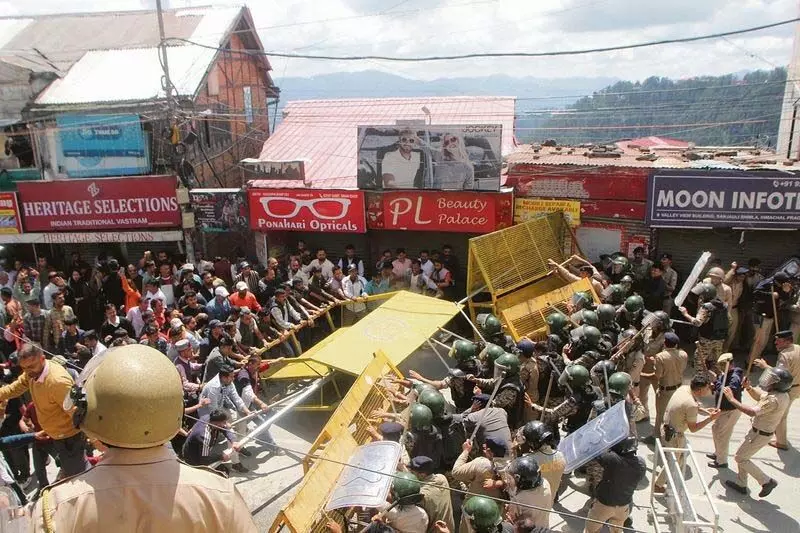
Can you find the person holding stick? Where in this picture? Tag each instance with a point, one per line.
(723, 426)
(774, 301)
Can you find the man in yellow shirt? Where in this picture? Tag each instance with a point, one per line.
(49, 384)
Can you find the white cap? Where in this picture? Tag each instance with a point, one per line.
(176, 323)
(241, 286)
(221, 291)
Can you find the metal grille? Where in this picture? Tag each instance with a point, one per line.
(528, 318)
(508, 259)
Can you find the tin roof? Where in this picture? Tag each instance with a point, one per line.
(324, 132)
(113, 56)
(645, 153)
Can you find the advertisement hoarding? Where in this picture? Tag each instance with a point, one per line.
(430, 157)
(527, 208)
(9, 214)
(718, 200)
(218, 210)
(102, 145)
(99, 204)
(306, 210)
(457, 212)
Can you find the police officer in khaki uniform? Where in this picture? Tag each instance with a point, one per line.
(669, 367)
(681, 416)
(435, 490)
(653, 344)
(788, 358)
(734, 278)
(773, 400)
(133, 402)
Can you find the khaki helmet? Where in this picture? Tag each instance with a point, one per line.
(133, 399)
(716, 272)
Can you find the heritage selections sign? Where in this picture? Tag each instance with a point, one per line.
(306, 210)
(99, 204)
(459, 212)
(723, 200)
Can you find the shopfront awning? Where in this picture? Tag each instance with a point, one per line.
(91, 237)
(397, 327)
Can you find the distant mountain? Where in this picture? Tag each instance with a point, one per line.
(532, 92)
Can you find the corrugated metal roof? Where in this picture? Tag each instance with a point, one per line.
(631, 157)
(657, 142)
(324, 132)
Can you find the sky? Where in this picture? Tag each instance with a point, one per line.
(434, 27)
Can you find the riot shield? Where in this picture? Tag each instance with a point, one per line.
(357, 487)
(594, 438)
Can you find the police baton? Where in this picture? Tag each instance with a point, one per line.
(724, 358)
(547, 395)
(555, 369)
(488, 404)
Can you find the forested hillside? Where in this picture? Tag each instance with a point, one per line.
(713, 110)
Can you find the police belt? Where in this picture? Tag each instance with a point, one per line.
(670, 388)
(763, 433)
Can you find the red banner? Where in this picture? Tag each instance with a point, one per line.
(99, 204)
(457, 212)
(307, 210)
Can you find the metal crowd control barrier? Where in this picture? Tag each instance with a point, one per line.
(680, 511)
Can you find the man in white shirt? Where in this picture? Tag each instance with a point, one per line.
(419, 282)
(401, 269)
(353, 287)
(296, 272)
(322, 263)
(399, 167)
(425, 263)
(152, 288)
(91, 341)
(49, 291)
(136, 318)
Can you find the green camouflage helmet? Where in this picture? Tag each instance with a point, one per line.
(634, 303)
(419, 386)
(491, 352)
(616, 293)
(619, 383)
(556, 322)
(490, 325)
(509, 363)
(589, 318)
(482, 513)
(577, 376)
(434, 401)
(420, 417)
(606, 314)
(462, 350)
(582, 299)
(405, 485)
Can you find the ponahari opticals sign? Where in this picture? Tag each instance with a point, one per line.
(307, 210)
(720, 200)
(99, 204)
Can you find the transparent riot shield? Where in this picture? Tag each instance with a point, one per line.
(357, 487)
(595, 437)
(14, 518)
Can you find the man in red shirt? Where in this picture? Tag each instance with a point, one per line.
(244, 298)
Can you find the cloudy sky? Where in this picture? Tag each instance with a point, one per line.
(432, 27)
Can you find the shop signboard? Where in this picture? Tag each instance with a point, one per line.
(219, 210)
(102, 145)
(720, 200)
(528, 208)
(458, 212)
(9, 214)
(446, 157)
(102, 204)
(325, 211)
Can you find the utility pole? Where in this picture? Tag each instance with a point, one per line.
(170, 92)
(789, 127)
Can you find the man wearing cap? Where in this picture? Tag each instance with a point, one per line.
(219, 308)
(244, 298)
(734, 278)
(669, 367)
(780, 290)
(480, 474)
(529, 374)
(716, 277)
(492, 422)
(436, 500)
(670, 277)
(188, 370)
(788, 358)
(392, 431)
(248, 276)
(640, 266)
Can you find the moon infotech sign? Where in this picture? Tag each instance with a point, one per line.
(720, 200)
(99, 204)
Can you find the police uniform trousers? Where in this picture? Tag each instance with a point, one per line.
(678, 441)
(721, 431)
(644, 393)
(780, 430)
(733, 328)
(753, 442)
(662, 399)
(706, 355)
(761, 338)
(614, 515)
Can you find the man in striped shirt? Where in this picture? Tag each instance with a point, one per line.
(211, 442)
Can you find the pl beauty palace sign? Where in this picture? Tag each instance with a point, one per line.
(720, 200)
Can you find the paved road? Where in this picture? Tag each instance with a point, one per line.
(275, 478)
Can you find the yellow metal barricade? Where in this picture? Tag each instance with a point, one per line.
(345, 431)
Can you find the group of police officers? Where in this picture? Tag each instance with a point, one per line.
(512, 402)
